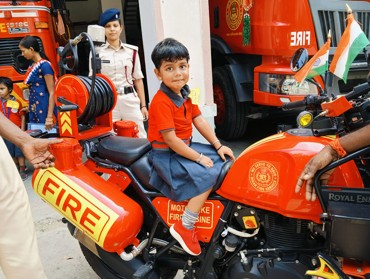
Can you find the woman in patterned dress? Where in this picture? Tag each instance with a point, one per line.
(40, 79)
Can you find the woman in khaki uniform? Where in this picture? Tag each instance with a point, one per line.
(121, 63)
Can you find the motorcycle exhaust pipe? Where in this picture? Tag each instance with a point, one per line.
(84, 240)
(90, 244)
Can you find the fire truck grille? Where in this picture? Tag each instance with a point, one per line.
(10, 55)
(335, 21)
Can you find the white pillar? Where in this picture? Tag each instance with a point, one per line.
(188, 22)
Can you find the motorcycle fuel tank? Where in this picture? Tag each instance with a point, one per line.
(266, 173)
(96, 207)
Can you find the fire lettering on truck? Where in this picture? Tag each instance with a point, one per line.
(263, 176)
(71, 200)
(300, 38)
(234, 14)
(176, 209)
(3, 28)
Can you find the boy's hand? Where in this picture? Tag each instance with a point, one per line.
(206, 161)
(225, 150)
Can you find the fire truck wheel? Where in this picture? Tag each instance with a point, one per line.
(231, 120)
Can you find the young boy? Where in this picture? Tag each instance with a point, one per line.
(181, 169)
(12, 109)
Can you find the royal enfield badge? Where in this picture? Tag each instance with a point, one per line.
(263, 176)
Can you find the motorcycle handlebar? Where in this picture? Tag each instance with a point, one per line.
(315, 101)
(308, 101)
(294, 105)
(358, 91)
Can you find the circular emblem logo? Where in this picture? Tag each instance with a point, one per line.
(263, 176)
(234, 13)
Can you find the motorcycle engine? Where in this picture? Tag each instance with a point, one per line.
(282, 249)
(266, 268)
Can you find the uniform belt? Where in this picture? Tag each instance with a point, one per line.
(126, 90)
(164, 146)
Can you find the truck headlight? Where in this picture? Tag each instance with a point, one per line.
(285, 85)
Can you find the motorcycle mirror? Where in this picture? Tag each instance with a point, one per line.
(299, 58)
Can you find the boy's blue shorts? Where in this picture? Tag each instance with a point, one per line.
(13, 149)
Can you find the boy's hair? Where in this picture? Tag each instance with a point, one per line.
(169, 50)
(7, 82)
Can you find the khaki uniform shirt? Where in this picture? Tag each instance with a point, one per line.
(117, 64)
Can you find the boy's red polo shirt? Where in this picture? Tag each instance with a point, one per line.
(164, 115)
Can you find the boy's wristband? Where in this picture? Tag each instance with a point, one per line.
(337, 147)
(219, 147)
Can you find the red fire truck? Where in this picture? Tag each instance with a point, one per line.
(255, 80)
(21, 18)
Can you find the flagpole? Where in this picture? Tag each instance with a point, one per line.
(349, 10)
(326, 77)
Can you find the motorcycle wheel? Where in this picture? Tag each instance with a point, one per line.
(231, 120)
(105, 271)
(100, 268)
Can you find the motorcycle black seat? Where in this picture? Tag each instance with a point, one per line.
(141, 168)
(223, 172)
(123, 150)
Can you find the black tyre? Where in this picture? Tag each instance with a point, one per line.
(100, 268)
(231, 120)
(111, 266)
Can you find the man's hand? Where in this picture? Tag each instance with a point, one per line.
(37, 152)
(318, 162)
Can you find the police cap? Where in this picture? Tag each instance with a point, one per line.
(109, 15)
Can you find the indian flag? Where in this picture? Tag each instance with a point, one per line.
(317, 65)
(352, 42)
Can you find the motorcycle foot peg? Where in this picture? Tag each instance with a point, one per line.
(143, 271)
(327, 269)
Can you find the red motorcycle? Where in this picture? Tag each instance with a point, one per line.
(253, 224)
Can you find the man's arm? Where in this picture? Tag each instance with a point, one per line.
(11, 132)
(356, 140)
(35, 150)
(350, 143)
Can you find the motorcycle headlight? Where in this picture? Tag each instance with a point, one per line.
(285, 85)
